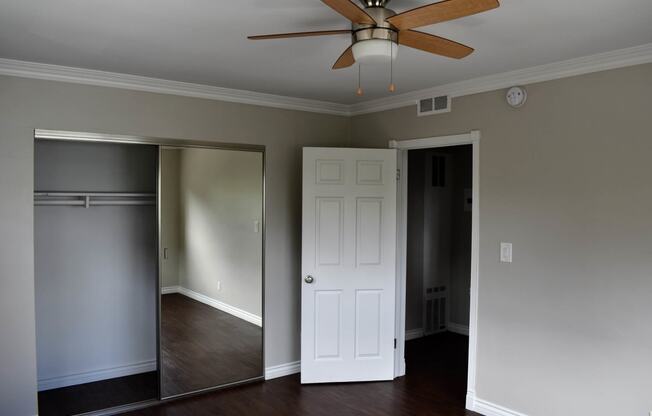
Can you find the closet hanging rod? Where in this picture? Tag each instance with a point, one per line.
(68, 202)
(118, 202)
(91, 203)
(88, 199)
(96, 194)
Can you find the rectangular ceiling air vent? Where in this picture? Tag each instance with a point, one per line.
(435, 105)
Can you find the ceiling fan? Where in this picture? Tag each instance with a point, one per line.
(377, 30)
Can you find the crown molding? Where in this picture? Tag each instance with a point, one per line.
(139, 83)
(600, 62)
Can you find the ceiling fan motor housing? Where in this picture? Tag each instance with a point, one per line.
(381, 30)
(375, 42)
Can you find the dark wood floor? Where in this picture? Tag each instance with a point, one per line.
(435, 385)
(98, 395)
(203, 347)
(200, 347)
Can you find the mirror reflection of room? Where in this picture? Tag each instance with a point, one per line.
(211, 268)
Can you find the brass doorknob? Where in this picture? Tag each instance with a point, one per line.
(309, 279)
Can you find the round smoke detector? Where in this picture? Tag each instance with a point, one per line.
(516, 97)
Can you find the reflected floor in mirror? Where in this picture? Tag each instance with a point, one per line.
(203, 347)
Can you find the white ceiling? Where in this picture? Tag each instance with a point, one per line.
(204, 41)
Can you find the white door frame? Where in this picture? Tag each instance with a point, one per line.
(473, 138)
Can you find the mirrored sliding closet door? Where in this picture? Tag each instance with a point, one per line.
(211, 268)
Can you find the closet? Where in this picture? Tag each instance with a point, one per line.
(148, 269)
(95, 275)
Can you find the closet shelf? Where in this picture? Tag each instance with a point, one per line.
(88, 199)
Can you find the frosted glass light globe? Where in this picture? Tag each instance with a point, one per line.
(374, 51)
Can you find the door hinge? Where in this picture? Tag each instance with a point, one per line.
(398, 174)
(394, 343)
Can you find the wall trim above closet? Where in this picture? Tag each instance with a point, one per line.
(160, 141)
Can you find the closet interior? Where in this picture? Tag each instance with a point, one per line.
(149, 270)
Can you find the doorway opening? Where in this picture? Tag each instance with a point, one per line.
(438, 263)
(437, 274)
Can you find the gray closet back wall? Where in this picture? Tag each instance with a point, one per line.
(95, 266)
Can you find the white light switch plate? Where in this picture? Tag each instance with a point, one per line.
(505, 252)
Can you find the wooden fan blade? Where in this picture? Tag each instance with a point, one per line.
(433, 44)
(345, 60)
(349, 10)
(440, 12)
(300, 34)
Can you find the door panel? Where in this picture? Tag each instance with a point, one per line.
(367, 323)
(348, 265)
(369, 223)
(328, 240)
(328, 324)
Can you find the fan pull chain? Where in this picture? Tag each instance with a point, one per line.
(359, 91)
(392, 87)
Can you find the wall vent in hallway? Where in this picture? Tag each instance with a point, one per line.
(435, 310)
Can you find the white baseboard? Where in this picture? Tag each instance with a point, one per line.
(232, 310)
(169, 289)
(413, 333)
(96, 375)
(487, 408)
(282, 370)
(452, 327)
(470, 400)
(458, 328)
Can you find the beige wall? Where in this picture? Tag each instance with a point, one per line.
(210, 201)
(170, 216)
(27, 104)
(564, 329)
(221, 194)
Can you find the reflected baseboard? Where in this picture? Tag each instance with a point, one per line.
(224, 307)
(169, 289)
(282, 370)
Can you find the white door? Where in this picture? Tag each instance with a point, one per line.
(348, 265)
